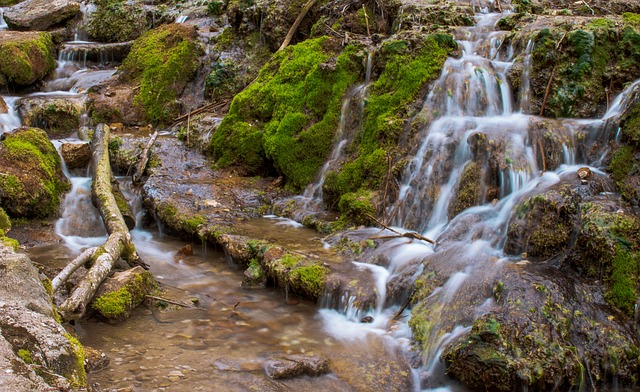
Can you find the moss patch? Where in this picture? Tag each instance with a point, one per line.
(115, 305)
(162, 60)
(26, 58)
(78, 376)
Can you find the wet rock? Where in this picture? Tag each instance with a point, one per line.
(76, 155)
(546, 331)
(94, 360)
(238, 249)
(36, 52)
(99, 53)
(186, 250)
(296, 365)
(40, 14)
(544, 224)
(254, 276)
(118, 295)
(367, 319)
(57, 116)
(31, 178)
(3, 106)
(36, 353)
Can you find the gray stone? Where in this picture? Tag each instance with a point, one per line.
(296, 365)
(40, 14)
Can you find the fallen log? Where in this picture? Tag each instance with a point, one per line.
(118, 243)
(144, 159)
(409, 234)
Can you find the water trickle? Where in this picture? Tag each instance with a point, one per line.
(181, 18)
(3, 23)
(350, 117)
(9, 120)
(525, 87)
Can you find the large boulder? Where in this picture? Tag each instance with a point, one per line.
(25, 57)
(31, 177)
(40, 14)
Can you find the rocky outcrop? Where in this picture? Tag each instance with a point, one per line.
(36, 353)
(31, 178)
(40, 14)
(76, 155)
(25, 58)
(296, 365)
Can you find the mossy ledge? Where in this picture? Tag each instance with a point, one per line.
(25, 57)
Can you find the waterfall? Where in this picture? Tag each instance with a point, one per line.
(9, 120)
(3, 23)
(525, 86)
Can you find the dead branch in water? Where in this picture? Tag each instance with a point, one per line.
(210, 106)
(70, 268)
(118, 243)
(168, 301)
(410, 234)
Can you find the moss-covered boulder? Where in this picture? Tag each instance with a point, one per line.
(288, 117)
(116, 21)
(58, 117)
(162, 61)
(120, 294)
(31, 178)
(41, 14)
(301, 275)
(76, 155)
(625, 160)
(25, 58)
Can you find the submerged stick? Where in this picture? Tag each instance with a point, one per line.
(410, 234)
(144, 159)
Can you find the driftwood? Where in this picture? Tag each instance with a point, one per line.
(210, 106)
(144, 159)
(296, 23)
(410, 234)
(118, 243)
(122, 203)
(67, 271)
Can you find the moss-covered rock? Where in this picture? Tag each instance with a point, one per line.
(58, 117)
(469, 191)
(407, 65)
(116, 21)
(162, 61)
(301, 275)
(578, 65)
(31, 178)
(117, 296)
(288, 117)
(25, 58)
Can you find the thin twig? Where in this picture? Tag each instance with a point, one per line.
(547, 90)
(169, 301)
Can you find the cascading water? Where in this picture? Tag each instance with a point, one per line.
(9, 120)
(471, 101)
(3, 23)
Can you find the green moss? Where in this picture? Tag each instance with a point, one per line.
(78, 376)
(5, 222)
(288, 260)
(116, 21)
(193, 223)
(162, 60)
(622, 287)
(357, 207)
(24, 61)
(288, 117)
(118, 304)
(631, 19)
(25, 355)
(621, 164)
(469, 192)
(311, 278)
(409, 65)
(35, 183)
(631, 126)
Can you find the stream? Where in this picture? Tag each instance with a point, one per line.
(224, 341)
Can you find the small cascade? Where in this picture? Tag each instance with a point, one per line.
(525, 87)
(181, 18)
(350, 117)
(471, 97)
(3, 23)
(9, 120)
